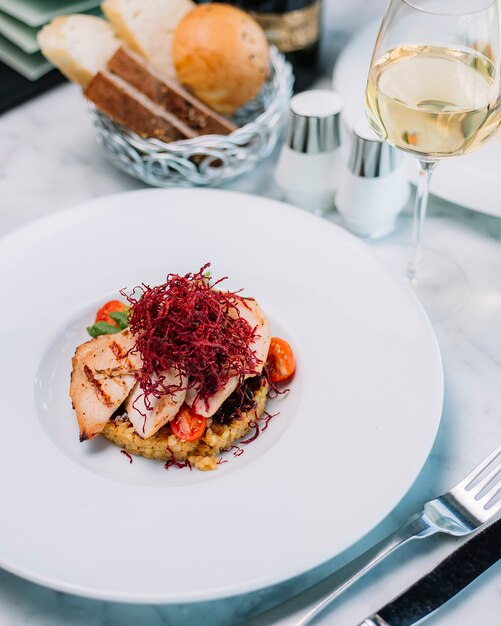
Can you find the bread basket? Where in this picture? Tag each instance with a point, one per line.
(208, 159)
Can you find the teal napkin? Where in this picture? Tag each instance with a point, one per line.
(31, 66)
(22, 35)
(38, 12)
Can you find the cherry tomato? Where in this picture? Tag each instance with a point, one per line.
(103, 315)
(188, 426)
(281, 362)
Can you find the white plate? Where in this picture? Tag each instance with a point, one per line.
(472, 181)
(350, 439)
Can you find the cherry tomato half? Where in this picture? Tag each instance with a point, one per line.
(103, 315)
(188, 426)
(281, 362)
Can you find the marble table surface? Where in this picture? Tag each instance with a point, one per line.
(49, 161)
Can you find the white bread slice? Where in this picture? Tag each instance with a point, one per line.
(78, 45)
(147, 26)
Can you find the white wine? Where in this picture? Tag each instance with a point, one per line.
(433, 101)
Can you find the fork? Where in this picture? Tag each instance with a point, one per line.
(465, 508)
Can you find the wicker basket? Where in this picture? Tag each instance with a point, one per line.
(209, 159)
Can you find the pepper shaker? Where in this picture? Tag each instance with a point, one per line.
(310, 162)
(374, 187)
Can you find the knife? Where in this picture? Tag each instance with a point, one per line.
(451, 576)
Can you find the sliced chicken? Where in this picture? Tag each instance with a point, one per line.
(207, 409)
(95, 400)
(146, 421)
(113, 355)
(250, 311)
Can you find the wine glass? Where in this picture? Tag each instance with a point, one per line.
(434, 91)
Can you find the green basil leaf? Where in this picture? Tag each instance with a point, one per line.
(121, 318)
(102, 328)
(207, 276)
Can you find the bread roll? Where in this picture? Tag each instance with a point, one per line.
(221, 54)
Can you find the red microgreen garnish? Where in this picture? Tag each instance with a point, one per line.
(255, 425)
(125, 453)
(274, 390)
(174, 463)
(266, 417)
(179, 464)
(238, 450)
(188, 325)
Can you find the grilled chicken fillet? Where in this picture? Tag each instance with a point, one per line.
(101, 380)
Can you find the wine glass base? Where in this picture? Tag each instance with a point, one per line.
(440, 285)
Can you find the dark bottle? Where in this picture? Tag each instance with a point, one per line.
(294, 27)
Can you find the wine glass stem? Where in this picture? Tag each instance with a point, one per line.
(425, 171)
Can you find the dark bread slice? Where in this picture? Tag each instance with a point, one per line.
(167, 93)
(128, 106)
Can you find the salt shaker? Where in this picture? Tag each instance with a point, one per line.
(310, 162)
(374, 187)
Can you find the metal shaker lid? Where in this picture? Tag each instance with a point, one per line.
(370, 157)
(315, 121)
